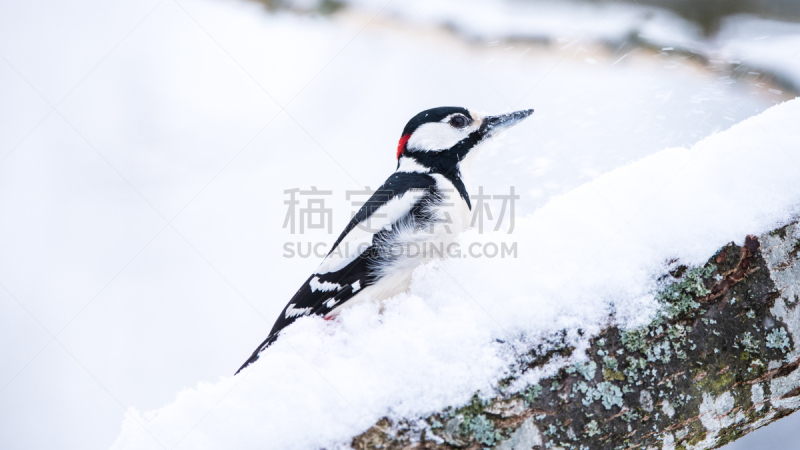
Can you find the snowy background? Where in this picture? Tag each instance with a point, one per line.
(145, 147)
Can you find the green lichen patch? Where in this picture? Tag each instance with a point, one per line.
(610, 375)
(635, 340)
(748, 343)
(681, 298)
(728, 435)
(592, 429)
(698, 436)
(475, 407)
(779, 339)
(531, 394)
(610, 362)
(482, 430)
(587, 369)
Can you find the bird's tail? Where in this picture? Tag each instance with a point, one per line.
(269, 341)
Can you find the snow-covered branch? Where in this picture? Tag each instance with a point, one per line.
(719, 361)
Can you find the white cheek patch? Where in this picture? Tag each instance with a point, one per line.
(436, 136)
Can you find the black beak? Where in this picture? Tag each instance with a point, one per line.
(493, 124)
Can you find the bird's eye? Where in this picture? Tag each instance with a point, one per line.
(458, 121)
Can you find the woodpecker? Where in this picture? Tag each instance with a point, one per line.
(424, 201)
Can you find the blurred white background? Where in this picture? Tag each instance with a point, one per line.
(145, 147)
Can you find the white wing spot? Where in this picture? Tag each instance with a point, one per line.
(330, 303)
(291, 311)
(325, 286)
(356, 286)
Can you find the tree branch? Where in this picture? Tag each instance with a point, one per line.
(720, 361)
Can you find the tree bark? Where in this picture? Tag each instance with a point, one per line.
(720, 361)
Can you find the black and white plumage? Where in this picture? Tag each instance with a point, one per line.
(424, 201)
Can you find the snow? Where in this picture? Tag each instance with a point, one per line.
(591, 253)
(141, 217)
(549, 21)
(762, 44)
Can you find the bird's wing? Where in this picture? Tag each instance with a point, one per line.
(351, 263)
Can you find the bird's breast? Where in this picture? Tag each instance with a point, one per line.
(451, 212)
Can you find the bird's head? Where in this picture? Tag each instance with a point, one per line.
(443, 139)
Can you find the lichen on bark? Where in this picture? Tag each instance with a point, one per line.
(720, 360)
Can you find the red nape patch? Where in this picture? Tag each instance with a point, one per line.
(401, 146)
